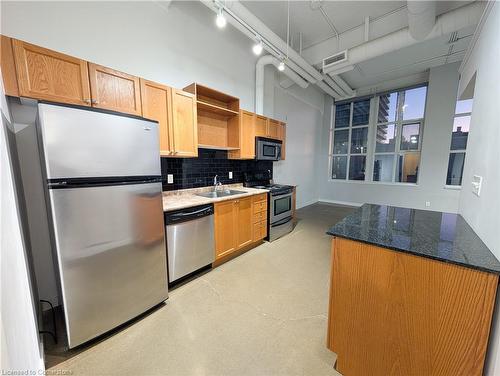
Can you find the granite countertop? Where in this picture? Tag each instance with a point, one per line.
(186, 198)
(441, 236)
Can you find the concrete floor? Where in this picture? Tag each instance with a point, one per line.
(262, 313)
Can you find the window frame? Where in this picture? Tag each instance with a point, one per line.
(349, 154)
(371, 153)
(451, 151)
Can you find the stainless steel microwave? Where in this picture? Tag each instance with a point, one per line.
(267, 149)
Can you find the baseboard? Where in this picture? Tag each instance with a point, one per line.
(307, 204)
(346, 203)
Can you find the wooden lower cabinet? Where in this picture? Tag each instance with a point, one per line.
(49, 75)
(235, 225)
(225, 221)
(393, 313)
(259, 206)
(114, 90)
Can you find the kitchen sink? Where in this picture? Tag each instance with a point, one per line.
(217, 194)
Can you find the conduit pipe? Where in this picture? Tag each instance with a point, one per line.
(259, 80)
(455, 20)
(421, 18)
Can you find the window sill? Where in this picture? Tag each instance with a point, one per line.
(453, 187)
(372, 182)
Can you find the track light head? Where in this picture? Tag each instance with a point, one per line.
(220, 21)
(257, 47)
(281, 66)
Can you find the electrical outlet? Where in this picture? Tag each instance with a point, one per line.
(230, 174)
(427, 204)
(477, 181)
(170, 179)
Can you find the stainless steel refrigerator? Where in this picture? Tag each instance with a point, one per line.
(105, 212)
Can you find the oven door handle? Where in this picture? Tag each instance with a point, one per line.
(281, 222)
(289, 193)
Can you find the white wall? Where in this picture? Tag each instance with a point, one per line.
(19, 344)
(176, 47)
(440, 107)
(302, 110)
(483, 153)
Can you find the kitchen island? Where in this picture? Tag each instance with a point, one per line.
(412, 292)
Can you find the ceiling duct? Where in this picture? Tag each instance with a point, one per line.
(421, 18)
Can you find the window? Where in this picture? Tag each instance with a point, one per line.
(398, 136)
(350, 140)
(459, 135)
(382, 145)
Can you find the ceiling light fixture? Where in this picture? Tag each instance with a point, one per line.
(257, 47)
(220, 21)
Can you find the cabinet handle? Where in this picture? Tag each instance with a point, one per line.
(87, 101)
(94, 101)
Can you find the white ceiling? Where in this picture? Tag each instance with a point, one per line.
(346, 15)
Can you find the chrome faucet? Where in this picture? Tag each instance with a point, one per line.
(216, 183)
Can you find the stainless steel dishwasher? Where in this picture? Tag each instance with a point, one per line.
(190, 240)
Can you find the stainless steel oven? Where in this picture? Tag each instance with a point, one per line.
(280, 213)
(267, 149)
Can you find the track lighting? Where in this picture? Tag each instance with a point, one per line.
(257, 47)
(281, 66)
(220, 21)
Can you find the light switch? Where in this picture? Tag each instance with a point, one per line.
(477, 181)
(230, 174)
(170, 179)
(427, 204)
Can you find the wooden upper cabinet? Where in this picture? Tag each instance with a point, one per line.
(260, 126)
(8, 67)
(245, 221)
(156, 105)
(114, 90)
(273, 128)
(184, 123)
(49, 75)
(282, 137)
(247, 131)
(225, 215)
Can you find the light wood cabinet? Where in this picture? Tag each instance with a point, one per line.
(156, 105)
(49, 75)
(245, 137)
(260, 126)
(259, 209)
(225, 222)
(8, 66)
(175, 112)
(184, 123)
(114, 90)
(273, 128)
(244, 218)
(235, 226)
(282, 137)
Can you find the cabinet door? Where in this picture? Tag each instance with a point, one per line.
(156, 100)
(260, 126)
(8, 67)
(184, 124)
(273, 128)
(114, 90)
(282, 137)
(50, 75)
(244, 226)
(247, 142)
(225, 227)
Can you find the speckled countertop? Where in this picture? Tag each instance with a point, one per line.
(440, 236)
(186, 198)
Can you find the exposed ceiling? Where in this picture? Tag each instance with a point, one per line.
(315, 26)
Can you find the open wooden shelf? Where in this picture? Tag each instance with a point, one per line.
(215, 147)
(218, 110)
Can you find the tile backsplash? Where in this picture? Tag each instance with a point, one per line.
(200, 172)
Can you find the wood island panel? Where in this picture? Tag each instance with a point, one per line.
(393, 313)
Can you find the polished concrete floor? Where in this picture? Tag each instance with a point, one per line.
(262, 313)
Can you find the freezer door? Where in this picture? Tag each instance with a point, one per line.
(111, 254)
(86, 143)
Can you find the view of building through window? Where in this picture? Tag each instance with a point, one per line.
(394, 156)
(459, 136)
